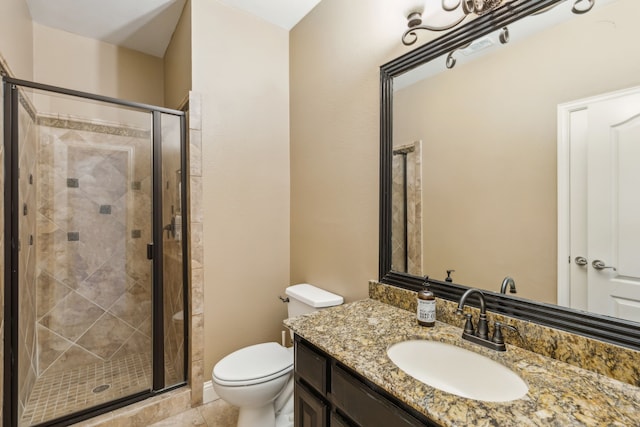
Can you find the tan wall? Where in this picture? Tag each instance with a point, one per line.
(177, 62)
(240, 68)
(16, 39)
(75, 62)
(336, 52)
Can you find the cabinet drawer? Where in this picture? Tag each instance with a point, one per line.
(363, 405)
(311, 367)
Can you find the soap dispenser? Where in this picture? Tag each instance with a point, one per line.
(448, 278)
(426, 312)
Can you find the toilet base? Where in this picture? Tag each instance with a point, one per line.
(263, 416)
(267, 416)
(284, 418)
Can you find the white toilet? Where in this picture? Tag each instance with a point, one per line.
(259, 379)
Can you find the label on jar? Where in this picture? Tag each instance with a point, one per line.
(426, 311)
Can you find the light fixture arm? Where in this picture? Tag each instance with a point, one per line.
(410, 37)
(451, 61)
(578, 10)
(450, 8)
(476, 7)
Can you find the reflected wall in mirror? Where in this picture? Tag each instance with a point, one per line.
(489, 128)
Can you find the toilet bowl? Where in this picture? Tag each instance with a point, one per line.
(259, 379)
(252, 378)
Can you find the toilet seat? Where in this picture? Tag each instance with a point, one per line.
(253, 365)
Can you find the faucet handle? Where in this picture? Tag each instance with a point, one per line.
(483, 329)
(468, 325)
(497, 332)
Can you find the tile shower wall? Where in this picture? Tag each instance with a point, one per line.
(27, 142)
(196, 251)
(93, 220)
(174, 317)
(413, 224)
(172, 245)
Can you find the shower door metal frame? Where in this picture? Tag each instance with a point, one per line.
(11, 258)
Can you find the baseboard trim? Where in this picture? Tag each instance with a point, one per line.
(208, 393)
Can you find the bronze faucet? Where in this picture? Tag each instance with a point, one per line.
(481, 334)
(508, 281)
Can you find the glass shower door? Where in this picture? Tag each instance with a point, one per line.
(84, 280)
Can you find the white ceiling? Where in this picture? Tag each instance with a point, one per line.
(147, 25)
(283, 13)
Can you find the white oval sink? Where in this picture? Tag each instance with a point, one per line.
(457, 371)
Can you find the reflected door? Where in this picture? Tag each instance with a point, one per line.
(603, 181)
(613, 207)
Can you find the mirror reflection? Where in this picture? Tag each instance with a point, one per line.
(482, 166)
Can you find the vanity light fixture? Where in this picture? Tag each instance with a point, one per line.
(442, 15)
(452, 13)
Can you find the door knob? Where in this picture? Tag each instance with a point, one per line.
(580, 260)
(600, 265)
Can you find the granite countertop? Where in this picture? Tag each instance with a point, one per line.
(357, 334)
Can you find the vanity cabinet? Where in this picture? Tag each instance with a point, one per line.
(328, 394)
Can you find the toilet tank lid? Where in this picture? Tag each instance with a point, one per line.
(313, 296)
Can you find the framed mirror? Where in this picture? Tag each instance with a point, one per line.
(475, 164)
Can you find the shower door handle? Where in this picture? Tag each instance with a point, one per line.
(149, 250)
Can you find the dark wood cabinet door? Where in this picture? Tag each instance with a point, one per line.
(311, 367)
(365, 406)
(336, 420)
(310, 411)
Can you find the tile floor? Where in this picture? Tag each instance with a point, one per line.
(215, 414)
(61, 393)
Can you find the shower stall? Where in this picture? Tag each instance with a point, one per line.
(94, 247)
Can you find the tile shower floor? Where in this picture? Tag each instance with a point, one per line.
(62, 393)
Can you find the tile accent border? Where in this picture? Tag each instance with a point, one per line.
(4, 67)
(28, 105)
(75, 123)
(606, 359)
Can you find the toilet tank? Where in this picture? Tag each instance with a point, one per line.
(305, 298)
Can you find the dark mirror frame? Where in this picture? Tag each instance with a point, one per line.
(609, 329)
